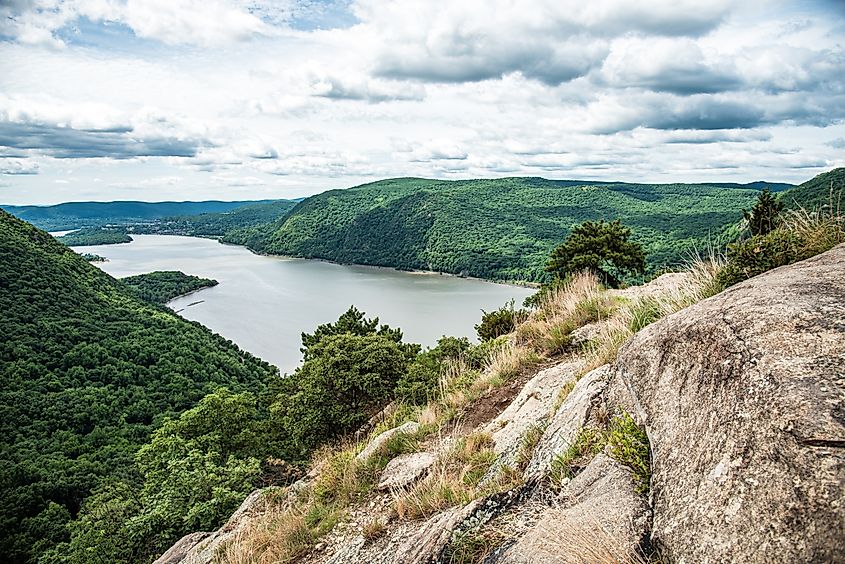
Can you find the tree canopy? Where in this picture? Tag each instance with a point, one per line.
(602, 247)
(763, 217)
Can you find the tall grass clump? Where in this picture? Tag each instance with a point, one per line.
(699, 281)
(562, 309)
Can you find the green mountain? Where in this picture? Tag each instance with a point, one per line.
(498, 229)
(87, 371)
(74, 215)
(217, 224)
(822, 190)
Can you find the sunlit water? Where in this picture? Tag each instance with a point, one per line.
(264, 303)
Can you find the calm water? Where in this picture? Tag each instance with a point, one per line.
(264, 303)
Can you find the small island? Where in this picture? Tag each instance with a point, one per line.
(161, 286)
(95, 236)
(91, 257)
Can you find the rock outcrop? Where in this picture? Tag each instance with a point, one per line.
(598, 517)
(743, 400)
(381, 439)
(532, 406)
(569, 419)
(405, 470)
(743, 397)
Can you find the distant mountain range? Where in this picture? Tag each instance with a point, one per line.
(75, 215)
(498, 229)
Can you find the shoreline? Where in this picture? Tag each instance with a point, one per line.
(414, 271)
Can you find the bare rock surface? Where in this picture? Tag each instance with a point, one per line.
(405, 469)
(202, 550)
(408, 428)
(570, 417)
(531, 406)
(409, 543)
(743, 396)
(598, 518)
(181, 548)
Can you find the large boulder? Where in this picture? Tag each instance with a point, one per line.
(599, 517)
(405, 469)
(743, 397)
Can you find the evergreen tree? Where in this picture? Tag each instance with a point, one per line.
(601, 247)
(763, 216)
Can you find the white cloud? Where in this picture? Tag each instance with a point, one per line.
(196, 22)
(214, 92)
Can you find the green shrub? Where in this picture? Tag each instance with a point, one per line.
(629, 446)
(760, 254)
(499, 322)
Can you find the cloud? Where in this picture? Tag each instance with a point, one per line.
(671, 65)
(69, 143)
(17, 166)
(550, 41)
(368, 90)
(173, 22)
(838, 143)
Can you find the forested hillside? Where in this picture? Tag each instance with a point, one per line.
(498, 229)
(220, 223)
(822, 190)
(95, 236)
(87, 371)
(74, 215)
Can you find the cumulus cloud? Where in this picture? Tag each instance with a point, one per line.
(44, 126)
(548, 40)
(361, 88)
(197, 22)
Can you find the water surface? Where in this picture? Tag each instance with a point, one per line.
(264, 303)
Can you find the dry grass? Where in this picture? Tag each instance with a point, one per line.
(452, 481)
(564, 309)
(565, 540)
(279, 536)
(504, 364)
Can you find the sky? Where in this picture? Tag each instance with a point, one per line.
(249, 99)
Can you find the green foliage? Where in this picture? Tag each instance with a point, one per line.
(629, 446)
(95, 236)
(824, 190)
(161, 286)
(87, 372)
(588, 443)
(763, 217)
(351, 322)
(196, 471)
(499, 322)
(502, 229)
(804, 235)
(420, 383)
(600, 247)
(90, 257)
(344, 380)
(759, 254)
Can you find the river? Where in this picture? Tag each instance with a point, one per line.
(263, 303)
